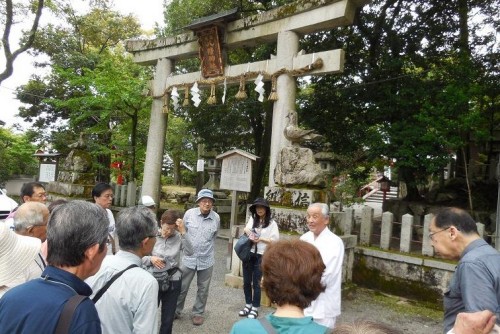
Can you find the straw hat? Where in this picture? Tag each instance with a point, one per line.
(16, 253)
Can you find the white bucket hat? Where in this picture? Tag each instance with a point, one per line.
(16, 253)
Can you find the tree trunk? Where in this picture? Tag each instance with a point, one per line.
(407, 176)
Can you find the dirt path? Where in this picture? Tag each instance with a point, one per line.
(225, 302)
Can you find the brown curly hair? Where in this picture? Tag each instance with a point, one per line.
(292, 272)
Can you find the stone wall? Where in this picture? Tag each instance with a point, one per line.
(422, 279)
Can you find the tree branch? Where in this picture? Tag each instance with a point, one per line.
(9, 55)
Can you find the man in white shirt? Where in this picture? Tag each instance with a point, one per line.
(326, 308)
(31, 220)
(130, 303)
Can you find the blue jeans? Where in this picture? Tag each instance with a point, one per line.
(252, 275)
(168, 301)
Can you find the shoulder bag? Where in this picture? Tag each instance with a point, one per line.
(243, 247)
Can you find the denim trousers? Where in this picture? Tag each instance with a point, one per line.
(203, 278)
(168, 301)
(252, 275)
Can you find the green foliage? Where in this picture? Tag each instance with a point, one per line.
(416, 87)
(16, 155)
(93, 88)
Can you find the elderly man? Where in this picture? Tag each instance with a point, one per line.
(31, 220)
(17, 254)
(326, 308)
(202, 224)
(76, 234)
(475, 285)
(130, 303)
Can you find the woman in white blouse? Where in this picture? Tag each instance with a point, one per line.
(262, 230)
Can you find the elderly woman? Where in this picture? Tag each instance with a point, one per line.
(166, 255)
(292, 272)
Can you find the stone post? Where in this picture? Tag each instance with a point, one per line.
(386, 231)
(348, 221)
(131, 193)
(288, 46)
(117, 193)
(427, 248)
(157, 133)
(406, 233)
(123, 195)
(366, 226)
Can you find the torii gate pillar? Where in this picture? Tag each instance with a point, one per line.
(157, 133)
(287, 48)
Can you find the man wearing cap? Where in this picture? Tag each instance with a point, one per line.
(17, 253)
(475, 285)
(148, 202)
(326, 308)
(77, 234)
(202, 224)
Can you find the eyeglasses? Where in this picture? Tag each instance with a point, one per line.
(431, 235)
(205, 201)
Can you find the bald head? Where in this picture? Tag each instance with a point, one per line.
(31, 219)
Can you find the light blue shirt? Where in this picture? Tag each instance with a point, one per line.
(201, 231)
(130, 305)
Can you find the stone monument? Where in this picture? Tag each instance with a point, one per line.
(75, 179)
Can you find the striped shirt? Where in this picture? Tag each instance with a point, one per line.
(202, 232)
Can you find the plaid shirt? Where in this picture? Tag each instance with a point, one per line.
(202, 232)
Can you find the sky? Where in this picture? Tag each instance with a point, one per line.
(147, 11)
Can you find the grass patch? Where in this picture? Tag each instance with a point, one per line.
(405, 306)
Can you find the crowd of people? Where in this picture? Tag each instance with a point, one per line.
(71, 268)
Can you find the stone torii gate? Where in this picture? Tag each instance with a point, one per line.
(285, 25)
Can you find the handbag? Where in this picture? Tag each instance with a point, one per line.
(243, 247)
(163, 277)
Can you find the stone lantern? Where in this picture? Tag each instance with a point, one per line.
(213, 170)
(326, 159)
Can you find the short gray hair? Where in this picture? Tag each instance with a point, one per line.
(29, 214)
(133, 225)
(73, 228)
(325, 209)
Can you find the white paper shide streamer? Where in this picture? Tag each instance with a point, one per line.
(225, 90)
(175, 98)
(259, 87)
(195, 93)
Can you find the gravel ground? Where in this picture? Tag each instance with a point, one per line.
(225, 302)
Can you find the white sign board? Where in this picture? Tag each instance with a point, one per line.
(236, 173)
(47, 173)
(200, 165)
